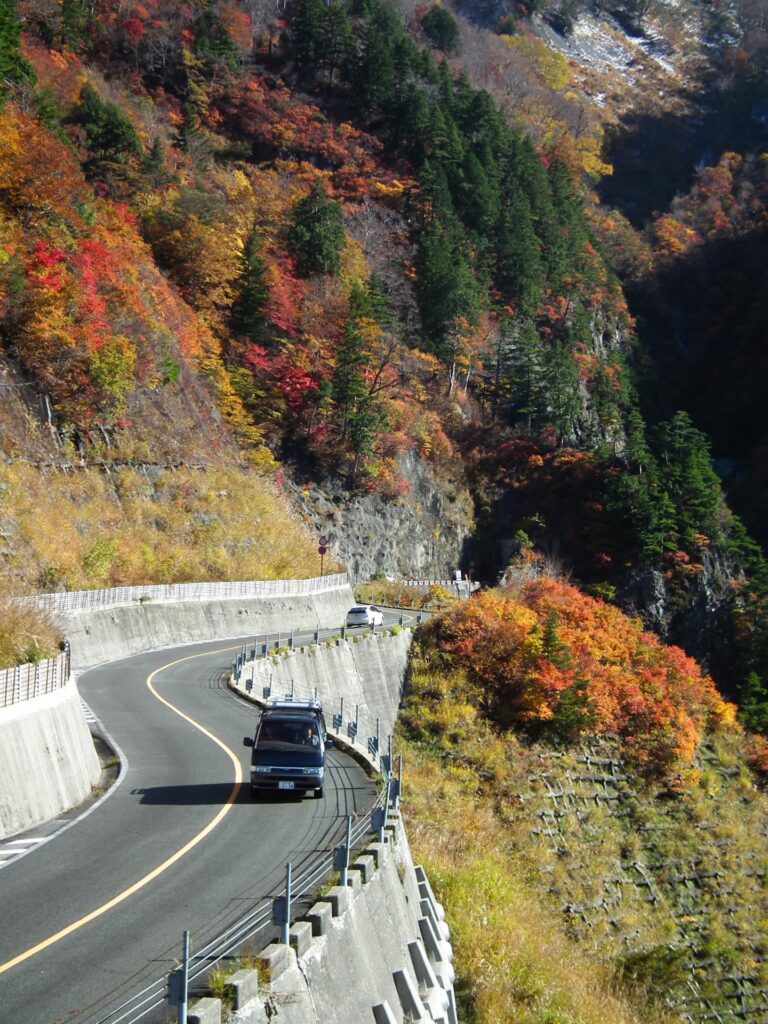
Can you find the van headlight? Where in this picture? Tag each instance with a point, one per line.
(261, 768)
(319, 772)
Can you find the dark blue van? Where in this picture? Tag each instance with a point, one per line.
(289, 748)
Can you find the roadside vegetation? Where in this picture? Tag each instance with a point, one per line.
(85, 530)
(27, 635)
(396, 594)
(598, 859)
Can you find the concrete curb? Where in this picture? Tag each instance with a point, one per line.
(281, 988)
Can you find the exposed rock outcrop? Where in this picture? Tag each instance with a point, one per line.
(421, 535)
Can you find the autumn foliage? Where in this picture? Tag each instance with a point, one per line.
(546, 658)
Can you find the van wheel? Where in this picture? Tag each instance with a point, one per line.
(319, 793)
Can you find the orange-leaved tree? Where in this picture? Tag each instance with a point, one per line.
(549, 659)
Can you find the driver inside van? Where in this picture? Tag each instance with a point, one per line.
(309, 736)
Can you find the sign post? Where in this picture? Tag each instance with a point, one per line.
(322, 549)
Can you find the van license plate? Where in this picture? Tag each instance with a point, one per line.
(285, 785)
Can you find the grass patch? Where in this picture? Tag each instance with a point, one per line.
(86, 531)
(579, 888)
(27, 635)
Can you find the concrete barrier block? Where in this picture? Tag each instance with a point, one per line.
(366, 865)
(274, 960)
(441, 928)
(242, 987)
(339, 897)
(300, 937)
(379, 852)
(440, 951)
(383, 1015)
(205, 1011)
(355, 879)
(319, 917)
(409, 997)
(425, 892)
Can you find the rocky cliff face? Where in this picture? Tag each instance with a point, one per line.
(697, 615)
(421, 535)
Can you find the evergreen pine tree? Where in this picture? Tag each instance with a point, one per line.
(74, 22)
(336, 43)
(753, 701)
(316, 234)
(523, 370)
(689, 478)
(446, 289)
(370, 72)
(519, 270)
(441, 29)
(213, 43)
(307, 20)
(154, 166)
(110, 135)
(563, 398)
(13, 67)
(249, 309)
(50, 112)
(477, 199)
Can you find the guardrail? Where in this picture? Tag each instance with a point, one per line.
(84, 600)
(256, 921)
(23, 682)
(349, 721)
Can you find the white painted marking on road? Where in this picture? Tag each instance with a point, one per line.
(170, 861)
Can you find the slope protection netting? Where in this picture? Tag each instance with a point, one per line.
(677, 884)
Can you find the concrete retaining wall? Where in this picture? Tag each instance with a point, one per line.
(107, 634)
(364, 673)
(47, 759)
(375, 951)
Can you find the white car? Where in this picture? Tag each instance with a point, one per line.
(365, 615)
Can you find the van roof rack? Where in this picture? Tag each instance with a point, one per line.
(289, 703)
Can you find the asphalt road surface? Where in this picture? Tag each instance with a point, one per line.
(97, 912)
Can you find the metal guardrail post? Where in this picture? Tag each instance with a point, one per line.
(184, 980)
(385, 817)
(287, 922)
(343, 852)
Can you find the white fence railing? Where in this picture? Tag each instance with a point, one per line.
(84, 600)
(23, 682)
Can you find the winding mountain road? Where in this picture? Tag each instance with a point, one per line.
(91, 916)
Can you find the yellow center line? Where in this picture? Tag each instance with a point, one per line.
(142, 882)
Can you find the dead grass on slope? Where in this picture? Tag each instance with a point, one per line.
(26, 634)
(88, 530)
(513, 959)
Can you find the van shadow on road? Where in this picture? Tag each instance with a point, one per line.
(179, 796)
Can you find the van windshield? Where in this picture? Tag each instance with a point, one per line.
(284, 735)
